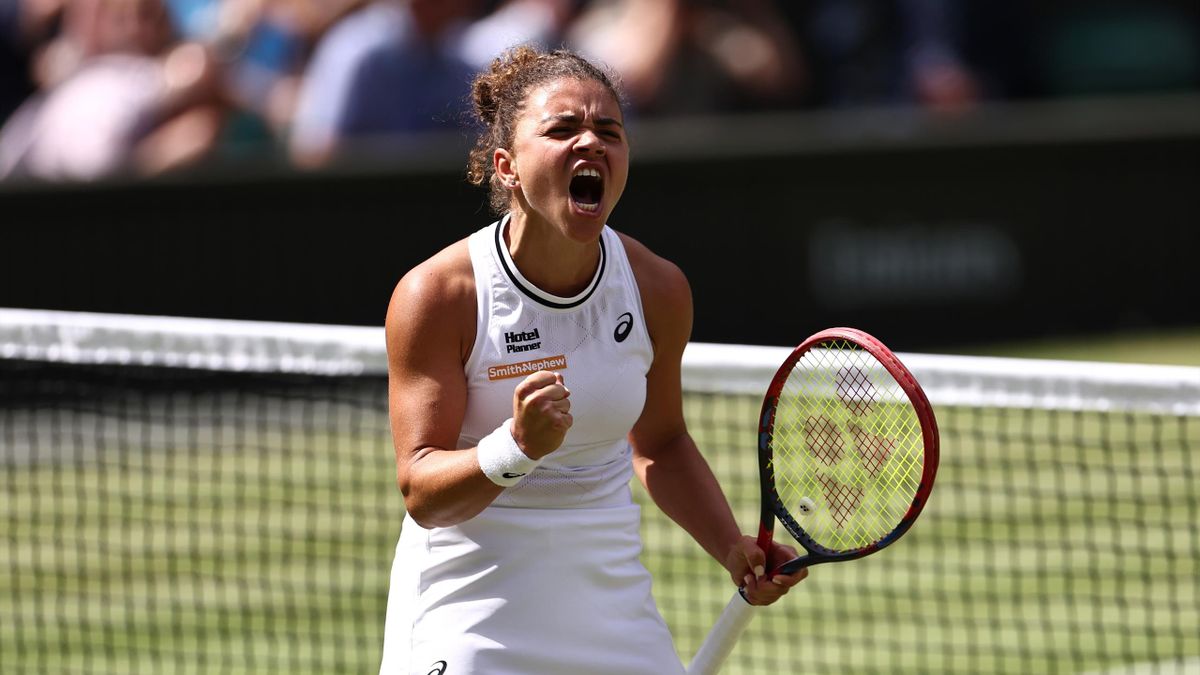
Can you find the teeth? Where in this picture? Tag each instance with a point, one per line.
(587, 172)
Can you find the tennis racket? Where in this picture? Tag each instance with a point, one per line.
(847, 452)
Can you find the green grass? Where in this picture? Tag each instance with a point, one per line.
(1029, 558)
(153, 547)
(1178, 347)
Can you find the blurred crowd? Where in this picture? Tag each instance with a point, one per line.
(90, 88)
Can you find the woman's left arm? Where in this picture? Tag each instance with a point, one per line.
(666, 458)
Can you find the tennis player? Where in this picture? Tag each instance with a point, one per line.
(534, 368)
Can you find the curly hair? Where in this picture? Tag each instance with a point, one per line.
(499, 96)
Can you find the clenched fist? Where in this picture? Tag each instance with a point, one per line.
(541, 413)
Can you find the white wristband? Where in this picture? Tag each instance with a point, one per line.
(502, 460)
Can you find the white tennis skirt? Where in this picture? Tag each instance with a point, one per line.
(518, 591)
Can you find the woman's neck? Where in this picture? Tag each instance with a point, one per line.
(547, 258)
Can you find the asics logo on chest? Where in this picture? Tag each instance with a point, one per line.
(624, 326)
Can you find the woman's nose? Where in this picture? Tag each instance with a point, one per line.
(589, 142)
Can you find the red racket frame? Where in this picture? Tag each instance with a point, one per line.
(773, 507)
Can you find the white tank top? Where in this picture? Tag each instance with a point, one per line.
(597, 340)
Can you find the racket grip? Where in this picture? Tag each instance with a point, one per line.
(723, 636)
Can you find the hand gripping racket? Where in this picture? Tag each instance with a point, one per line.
(847, 452)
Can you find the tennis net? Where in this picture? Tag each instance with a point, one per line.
(198, 496)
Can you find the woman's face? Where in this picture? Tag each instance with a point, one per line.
(570, 156)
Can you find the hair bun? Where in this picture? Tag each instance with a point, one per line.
(487, 105)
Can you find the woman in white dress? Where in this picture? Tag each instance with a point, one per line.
(534, 369)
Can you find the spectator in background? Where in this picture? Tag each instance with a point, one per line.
(934, 70)
(262, 47)
(695, 56)
(887, 52)
(508, 23)
(639, 39)
(403, 67)
(389, 68)
(119, 94)
(24, 26)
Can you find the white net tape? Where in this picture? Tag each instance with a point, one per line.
(77, 337)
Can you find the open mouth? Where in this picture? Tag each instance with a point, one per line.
(587, 189)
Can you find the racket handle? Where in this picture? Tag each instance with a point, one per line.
(723, 636)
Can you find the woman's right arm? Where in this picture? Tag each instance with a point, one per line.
(430, 333)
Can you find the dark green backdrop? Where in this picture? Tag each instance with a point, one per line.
(927, 245)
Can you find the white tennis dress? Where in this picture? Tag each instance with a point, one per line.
(546, 580)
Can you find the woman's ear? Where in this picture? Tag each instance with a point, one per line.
(506, 167)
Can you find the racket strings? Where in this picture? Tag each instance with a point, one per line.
(847, 447)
